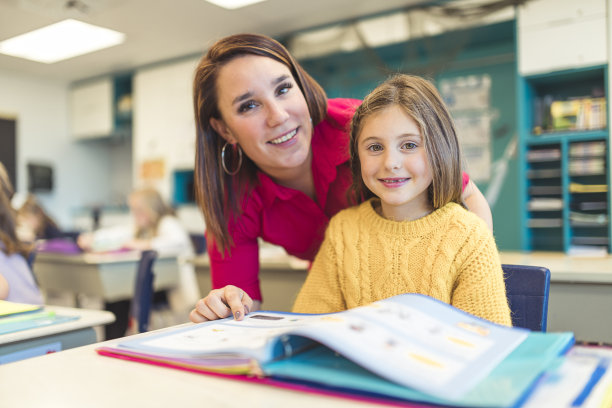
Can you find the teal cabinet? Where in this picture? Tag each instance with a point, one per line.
(565, 161)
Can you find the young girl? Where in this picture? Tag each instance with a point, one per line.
(411, 234)
(154, 227)
(17, 283)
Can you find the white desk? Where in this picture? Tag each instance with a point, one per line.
(55, 337)
(107, 276)
(280, 277)
(81, 378)
(580, 298)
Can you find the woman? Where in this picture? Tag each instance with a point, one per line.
(272, 162)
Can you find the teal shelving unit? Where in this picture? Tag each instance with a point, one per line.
(564, 154)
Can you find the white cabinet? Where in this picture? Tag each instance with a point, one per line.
(91, 109)
(555, 35)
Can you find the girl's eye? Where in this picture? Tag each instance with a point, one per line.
(375, 148)
(409, 146)
(248, 105)
(284, 88)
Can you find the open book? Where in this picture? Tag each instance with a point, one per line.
(408, 347)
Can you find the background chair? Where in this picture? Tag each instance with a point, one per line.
(527, 289)
(143, 290)
(199, 243)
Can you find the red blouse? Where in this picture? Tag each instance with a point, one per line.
(287, 217)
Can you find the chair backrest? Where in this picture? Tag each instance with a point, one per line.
(527, 289)
(143, 290)
(199, 242)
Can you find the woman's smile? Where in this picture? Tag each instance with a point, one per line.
(284, 138)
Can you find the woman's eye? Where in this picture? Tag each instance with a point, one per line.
(409, 145)
(375, 148)
(248, 105)
(284, 88)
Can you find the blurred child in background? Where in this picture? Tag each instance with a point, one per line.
(154, 226)
(17, 283)
(34, 223)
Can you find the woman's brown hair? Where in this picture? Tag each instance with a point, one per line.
(8, 219)
(421, 101)
(218, 194)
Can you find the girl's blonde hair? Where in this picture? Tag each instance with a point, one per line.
(156, 209)
(421, 101)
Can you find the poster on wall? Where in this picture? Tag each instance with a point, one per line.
(468, 99)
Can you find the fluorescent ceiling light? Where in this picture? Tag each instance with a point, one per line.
(233, 4)
(61, 41)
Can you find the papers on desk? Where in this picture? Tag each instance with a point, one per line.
(18, 316)
(408, 348)
(582, 379)
(12, 308)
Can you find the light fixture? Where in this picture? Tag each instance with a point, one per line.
(60, 41)
(233, 4)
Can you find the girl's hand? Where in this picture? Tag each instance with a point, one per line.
(221, 303)
(85, 241)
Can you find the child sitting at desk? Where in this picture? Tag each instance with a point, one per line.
(17, 283)
(154, 227)
(411, 234)
(34, 223)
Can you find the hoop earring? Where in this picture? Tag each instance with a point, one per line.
(231, 173)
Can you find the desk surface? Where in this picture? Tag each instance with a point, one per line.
(81, 378)
(565, 268)
(108, 276)
(87, 318)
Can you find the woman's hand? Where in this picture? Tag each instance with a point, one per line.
(221, 303)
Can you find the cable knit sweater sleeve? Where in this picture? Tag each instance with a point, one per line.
(321, 291)
(479, 287)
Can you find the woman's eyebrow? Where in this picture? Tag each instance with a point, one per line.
(249, 94)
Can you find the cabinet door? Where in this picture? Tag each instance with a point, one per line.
(555, 35)
(91, 109)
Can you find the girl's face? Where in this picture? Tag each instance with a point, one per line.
(394, 163)
(140, 212)
(264, 111)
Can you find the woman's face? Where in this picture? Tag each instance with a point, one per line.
(264, 111)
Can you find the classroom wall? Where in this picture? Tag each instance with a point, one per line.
(483, 50)
(81, 171)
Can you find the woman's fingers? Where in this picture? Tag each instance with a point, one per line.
(238, 300)
(221, 303)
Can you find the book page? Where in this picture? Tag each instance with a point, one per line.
(416, 341)
(254, 337)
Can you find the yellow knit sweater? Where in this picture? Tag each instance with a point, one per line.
(449, 254)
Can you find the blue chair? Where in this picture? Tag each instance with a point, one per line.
(527, 289)
(143, 290)
(199, 243)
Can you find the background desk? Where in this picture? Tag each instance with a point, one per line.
(81, 378)
(107, 276)
(280, 277)
(580, 292)
(66, 335)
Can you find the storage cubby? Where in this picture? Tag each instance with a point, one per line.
(564, 138)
